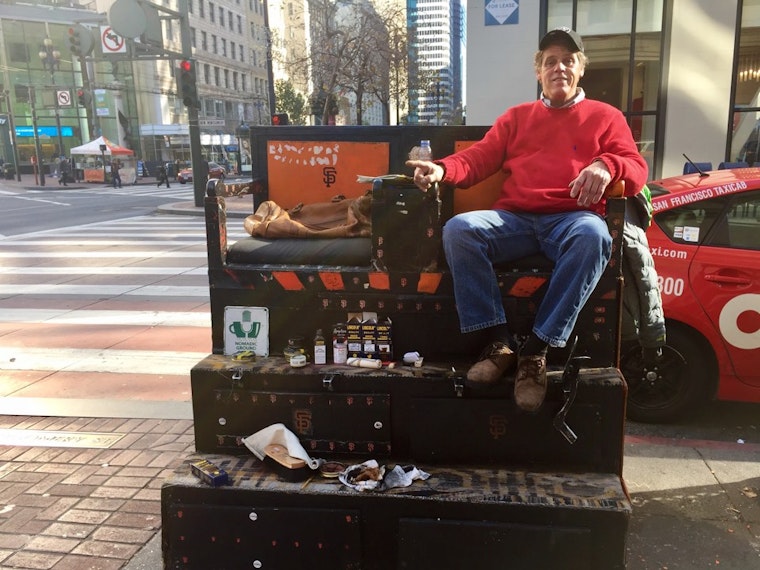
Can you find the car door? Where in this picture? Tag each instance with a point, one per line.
(725, 278)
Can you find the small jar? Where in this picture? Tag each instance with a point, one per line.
(295, 346)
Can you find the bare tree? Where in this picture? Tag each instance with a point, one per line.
(359, 49)
(332, 48)
(393, 50)
(366, 73)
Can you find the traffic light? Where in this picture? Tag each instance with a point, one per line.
(80, 40)
(83, 97)
(280, 119)
(75, 41)
(186, 84)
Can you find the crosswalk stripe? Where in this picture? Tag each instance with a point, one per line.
(108, 317)
(89, 270)
(99, 360)
(95, 241)
(131, 290)
(105, 254)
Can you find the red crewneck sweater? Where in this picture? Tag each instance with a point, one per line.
(542, 149)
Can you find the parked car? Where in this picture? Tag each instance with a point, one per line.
(8, 171)
(214, 171)
(705, 241)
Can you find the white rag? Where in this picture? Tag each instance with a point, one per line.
(279, 434)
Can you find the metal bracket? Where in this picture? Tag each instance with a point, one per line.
(569, 391)
(458, 380)
(327, 382)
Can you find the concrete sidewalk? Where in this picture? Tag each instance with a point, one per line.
(85, 493)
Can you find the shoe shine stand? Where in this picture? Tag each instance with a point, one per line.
(506, 489)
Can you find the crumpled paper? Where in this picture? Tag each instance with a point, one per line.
(370, 476)
(279, 434)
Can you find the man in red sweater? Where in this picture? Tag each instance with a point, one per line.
(559, 153)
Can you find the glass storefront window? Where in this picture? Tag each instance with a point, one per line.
(624, 58)
(745, 131)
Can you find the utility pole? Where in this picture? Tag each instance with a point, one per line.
(37, 151)
(270, 69)
(199, 167)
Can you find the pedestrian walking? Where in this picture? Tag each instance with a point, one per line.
(115, 174)
(65, 167)
(163, 176)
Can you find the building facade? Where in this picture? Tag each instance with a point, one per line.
(228, 42)
(53, 93)
(436, 48)
(683, 72)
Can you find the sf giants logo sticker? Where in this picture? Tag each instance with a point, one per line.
(329, 175)
(739, 321)
(497, 426)
(302, 422)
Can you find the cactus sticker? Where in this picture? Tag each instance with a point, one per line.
(246, 329)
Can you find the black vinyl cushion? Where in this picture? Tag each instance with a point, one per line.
(334, 251)
(356, 252)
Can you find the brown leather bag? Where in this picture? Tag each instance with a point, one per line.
(337, 219)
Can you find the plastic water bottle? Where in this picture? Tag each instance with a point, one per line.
(425, 152)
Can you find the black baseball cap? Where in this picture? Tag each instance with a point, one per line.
(564, 36)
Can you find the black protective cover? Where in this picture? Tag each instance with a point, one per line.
(460, 517)
(410, 414)
(406, 227)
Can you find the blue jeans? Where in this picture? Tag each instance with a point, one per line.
(578, 243)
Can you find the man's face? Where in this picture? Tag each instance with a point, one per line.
(560, 72)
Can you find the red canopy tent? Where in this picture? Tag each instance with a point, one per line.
(93, 148)
(94, 170)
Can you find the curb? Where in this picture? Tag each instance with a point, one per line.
(190, 209)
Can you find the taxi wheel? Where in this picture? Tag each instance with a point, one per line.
(677, 385)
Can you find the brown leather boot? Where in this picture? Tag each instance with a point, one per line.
(494, 362)
(530, 382)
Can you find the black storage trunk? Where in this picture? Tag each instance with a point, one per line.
(461, 517)
(412, 414)
(406, 227)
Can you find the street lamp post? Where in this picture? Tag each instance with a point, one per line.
(51, 59)
(16, 164)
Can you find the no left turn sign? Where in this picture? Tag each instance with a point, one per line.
(111, 42)
(63, 97)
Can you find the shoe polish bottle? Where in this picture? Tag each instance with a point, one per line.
(320, 348)
(340, 344)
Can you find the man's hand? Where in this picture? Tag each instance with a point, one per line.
(590, 184)
(425, 173)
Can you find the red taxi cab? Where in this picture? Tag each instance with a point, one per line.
(214, 171)
(705, 241)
